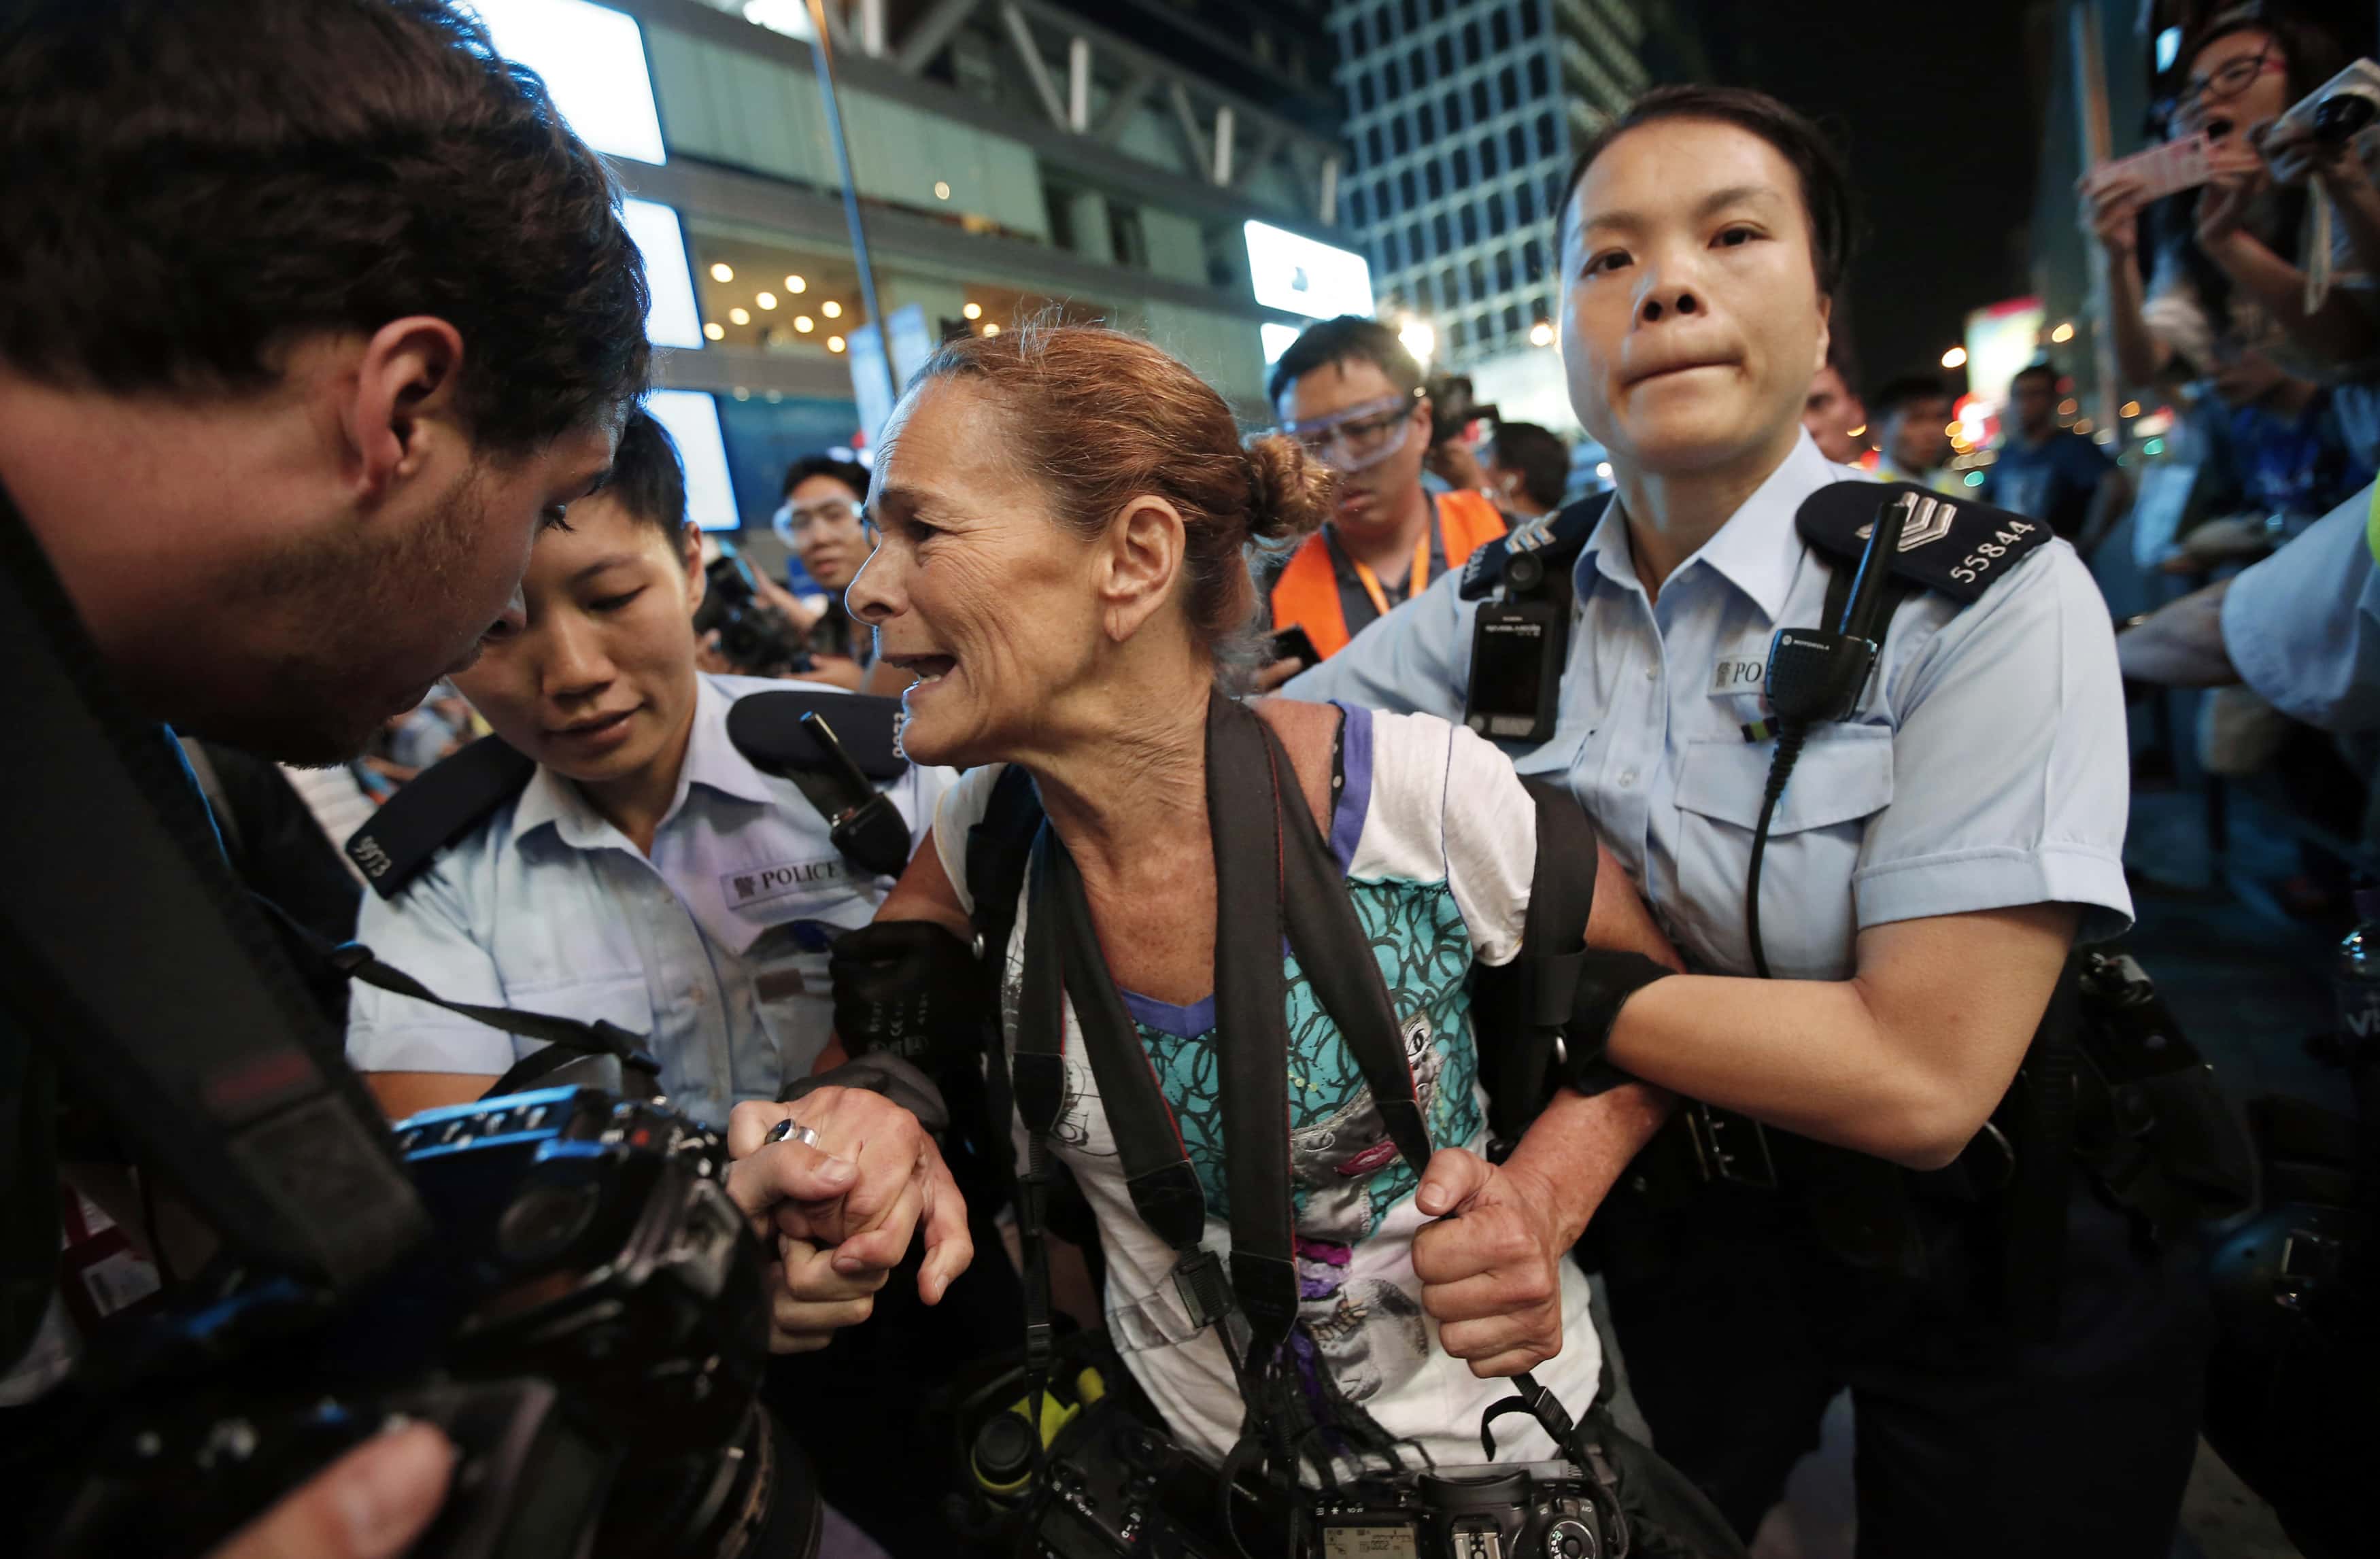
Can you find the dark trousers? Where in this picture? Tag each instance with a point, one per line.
(1742, 1326)
(858, 1407)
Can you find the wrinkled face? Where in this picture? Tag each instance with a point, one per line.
(1692, 319)
(1918, 435)
(828, 535)
(1353, 416)
(2033, 403)
(1831, 413)
(596, 680)
(2237, 83)
(346, 631)
(974, 585)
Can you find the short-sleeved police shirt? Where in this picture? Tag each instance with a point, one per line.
(2302, 627)
(1985, 767)
(714, 947)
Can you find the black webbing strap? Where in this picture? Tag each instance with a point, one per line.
(1520, 1008)
(1245, 780)
(566, 1037)
(1157, 1170)
(1336, 957)
(130, 952)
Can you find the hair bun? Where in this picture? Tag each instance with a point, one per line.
(1289, 493)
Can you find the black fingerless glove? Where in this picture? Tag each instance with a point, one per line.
(906, 988)
(1606, 981)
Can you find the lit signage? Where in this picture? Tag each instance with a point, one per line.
(2000, 340)
(592, 59)
(1277, 339)
(1300, 276)
(692, 419)
(672, 319)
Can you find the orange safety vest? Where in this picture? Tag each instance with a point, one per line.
(1306, 594)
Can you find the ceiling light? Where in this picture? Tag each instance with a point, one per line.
(942, 190)
(723, 272)
(741, 316)
(711, 332)
(804, 323)
(992, 328)
(796, 285)
(835, 344)
(973, 312)
(766, 300)
(832, 310)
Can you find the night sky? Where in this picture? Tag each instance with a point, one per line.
(1938, 108)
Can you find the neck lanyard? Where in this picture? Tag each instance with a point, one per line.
(1415, 580)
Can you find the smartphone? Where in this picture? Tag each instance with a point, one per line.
(1294, 643)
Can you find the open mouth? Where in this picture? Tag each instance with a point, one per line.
(925, 668)
(595, 725)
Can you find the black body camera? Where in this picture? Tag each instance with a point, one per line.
(755, 637)
(1519, 643)
(587, 1326)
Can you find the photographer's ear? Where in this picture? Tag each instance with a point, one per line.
(401, 403)
(689, 559)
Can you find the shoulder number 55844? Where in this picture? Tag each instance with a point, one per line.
(1977, 563)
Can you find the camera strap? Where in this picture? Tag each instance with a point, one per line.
(131, 954)
(1274, 872)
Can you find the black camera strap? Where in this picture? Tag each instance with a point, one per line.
(1274, 872)
(131, 954)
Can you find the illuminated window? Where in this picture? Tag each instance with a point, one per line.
(692, 419)
(671, 319)
(593, 62)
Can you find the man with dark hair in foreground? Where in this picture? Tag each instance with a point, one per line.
(311, 316)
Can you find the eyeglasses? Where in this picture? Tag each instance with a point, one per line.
(1359, 437)
(833, 511)
(2200, 93)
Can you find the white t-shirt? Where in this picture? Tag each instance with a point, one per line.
(1437, 840)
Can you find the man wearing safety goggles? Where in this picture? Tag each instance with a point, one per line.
(1349, 391)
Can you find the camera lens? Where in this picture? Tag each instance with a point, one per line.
(1525, 571)
(543, 1220)
(1003, 1450)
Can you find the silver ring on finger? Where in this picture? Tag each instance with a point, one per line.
(792, 1131)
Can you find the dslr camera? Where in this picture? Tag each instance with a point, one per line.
(755, 637)
(588, 1327)
(1105, 1483)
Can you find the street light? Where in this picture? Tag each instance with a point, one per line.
(1955, 357)
(1541, 334)
(2064, 332)
(1419, 339)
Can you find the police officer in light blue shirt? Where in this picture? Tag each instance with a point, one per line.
(645, 873)
(1927, 866)
(2302, 628)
